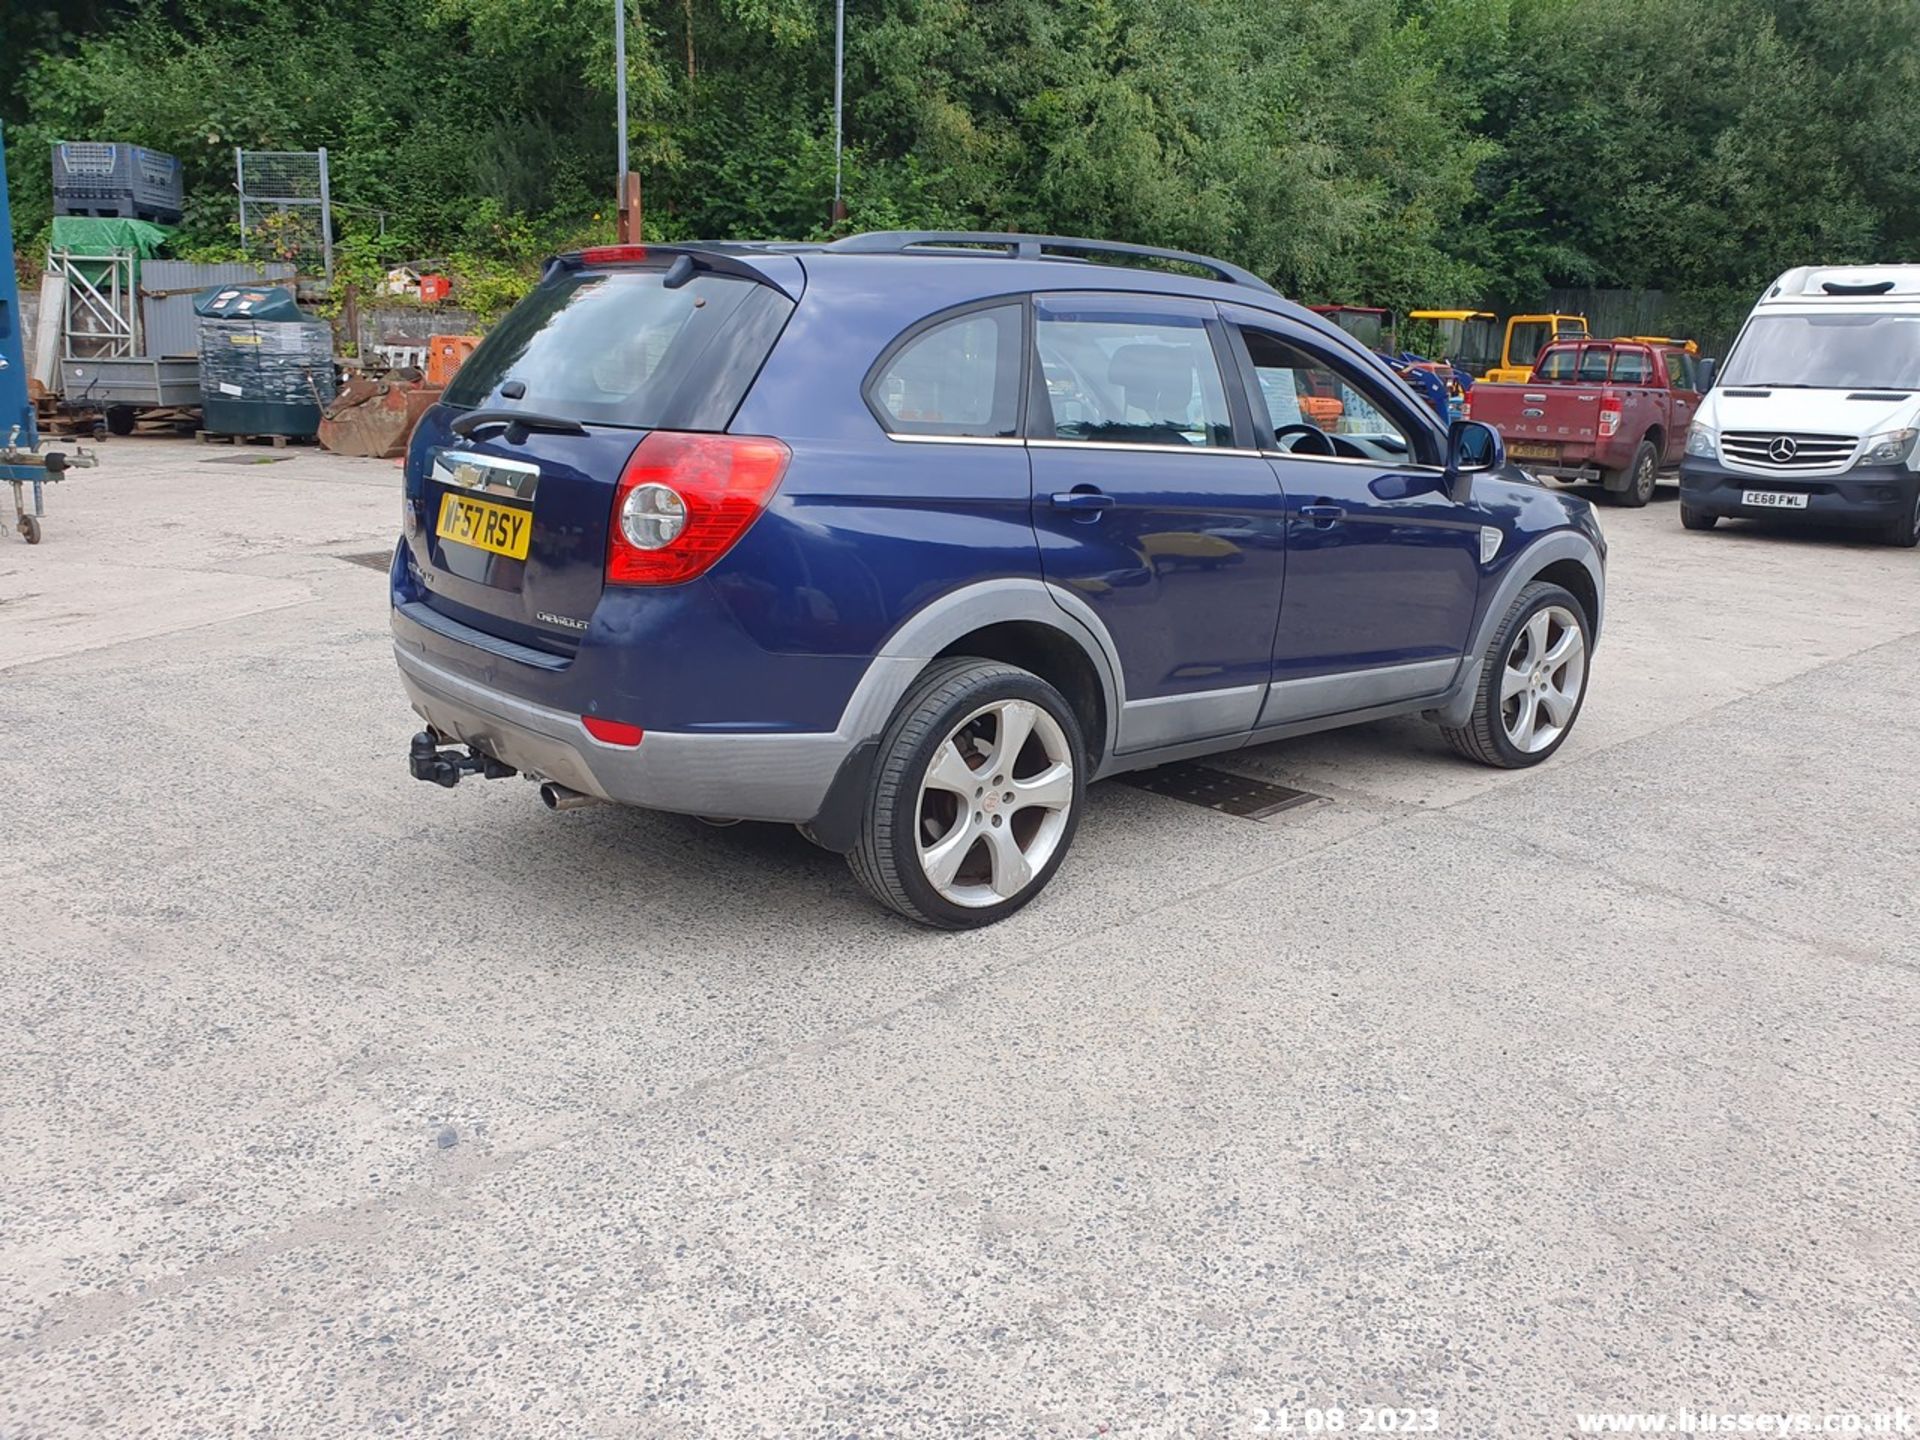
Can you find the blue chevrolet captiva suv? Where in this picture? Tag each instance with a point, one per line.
(906, 538)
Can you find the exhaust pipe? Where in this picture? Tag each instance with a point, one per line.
(560, 797)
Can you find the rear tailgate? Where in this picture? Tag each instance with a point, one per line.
(510, 538)
(508, 523)
(1542, 424)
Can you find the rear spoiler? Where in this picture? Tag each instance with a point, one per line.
(683, 261)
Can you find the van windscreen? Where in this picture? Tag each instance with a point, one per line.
(1828, 352)
(618, 347)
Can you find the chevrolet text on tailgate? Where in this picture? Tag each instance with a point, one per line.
(906, 538)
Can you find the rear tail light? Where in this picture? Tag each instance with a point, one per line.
(1609, 415)
(684, 500)
(1466, 405)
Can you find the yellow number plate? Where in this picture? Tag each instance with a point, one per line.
(1534, 452)
(484, 525)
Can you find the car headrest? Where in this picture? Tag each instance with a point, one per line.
(1153, 376)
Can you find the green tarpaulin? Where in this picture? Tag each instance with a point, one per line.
(86, 235)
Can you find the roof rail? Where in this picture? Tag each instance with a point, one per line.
(1035, 247)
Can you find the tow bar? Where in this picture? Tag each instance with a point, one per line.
(448, 767)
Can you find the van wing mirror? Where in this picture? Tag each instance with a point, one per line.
(1472, 449)
(1703, 374)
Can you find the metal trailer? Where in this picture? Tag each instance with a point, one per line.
(23, 465)
(128, 337)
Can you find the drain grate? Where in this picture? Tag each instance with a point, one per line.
(372, 559)
(1217, 790)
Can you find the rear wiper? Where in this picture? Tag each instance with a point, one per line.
(525, 419)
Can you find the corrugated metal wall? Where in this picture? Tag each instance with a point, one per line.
(168, 326)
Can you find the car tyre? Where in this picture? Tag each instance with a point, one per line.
(1633, 487)
(1532, 683)
(1693, 519)
(975, 797)
(1905, 532)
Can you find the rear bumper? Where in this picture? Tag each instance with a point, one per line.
(1576, 473)
(1864, 496)
(746, 777)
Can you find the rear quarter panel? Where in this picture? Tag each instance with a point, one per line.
(866, 529)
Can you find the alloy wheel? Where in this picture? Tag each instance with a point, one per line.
(994, 803)
(1540, 683)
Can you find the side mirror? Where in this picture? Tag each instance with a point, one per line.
(1472, 448)
(1703, 374)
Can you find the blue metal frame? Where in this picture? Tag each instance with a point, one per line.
(16, 409)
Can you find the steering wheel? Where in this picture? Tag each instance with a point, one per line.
(1313, 440)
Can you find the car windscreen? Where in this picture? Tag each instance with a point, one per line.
(618, 347)
(1837, 352)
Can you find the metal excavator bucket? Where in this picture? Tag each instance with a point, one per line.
(375, 417)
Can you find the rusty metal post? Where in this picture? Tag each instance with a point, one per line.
(630, 210)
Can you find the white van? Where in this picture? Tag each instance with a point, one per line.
(1816, 412)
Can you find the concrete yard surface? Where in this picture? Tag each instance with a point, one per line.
(337, 1105)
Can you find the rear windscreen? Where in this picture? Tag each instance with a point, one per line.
(617, 347)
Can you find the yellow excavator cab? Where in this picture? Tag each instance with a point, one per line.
(1467, 337)
(1527, 336)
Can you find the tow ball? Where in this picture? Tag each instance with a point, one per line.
(448, 767)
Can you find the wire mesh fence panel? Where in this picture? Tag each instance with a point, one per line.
(286, 209)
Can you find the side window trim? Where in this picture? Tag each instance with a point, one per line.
(1226, 355)
(1040, 429)
(1023, 386)
(1412, 417)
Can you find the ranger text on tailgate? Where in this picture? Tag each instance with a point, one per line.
(907, 538)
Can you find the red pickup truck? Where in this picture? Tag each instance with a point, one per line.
(1614, 412)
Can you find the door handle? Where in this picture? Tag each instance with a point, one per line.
(1084, 500)
(1323, 515)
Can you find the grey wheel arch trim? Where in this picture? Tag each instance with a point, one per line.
(1521, 570)
(945, 619)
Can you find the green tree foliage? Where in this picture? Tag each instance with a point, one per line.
(1394, 152)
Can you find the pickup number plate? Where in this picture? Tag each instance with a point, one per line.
(1773, 499)
(1533, 452)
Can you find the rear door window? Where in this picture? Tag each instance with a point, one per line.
(1115, 377)
(616, 347)
(959, 376)
(1632, 367)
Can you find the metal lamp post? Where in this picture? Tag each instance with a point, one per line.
(839, 73)
(628, 183)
